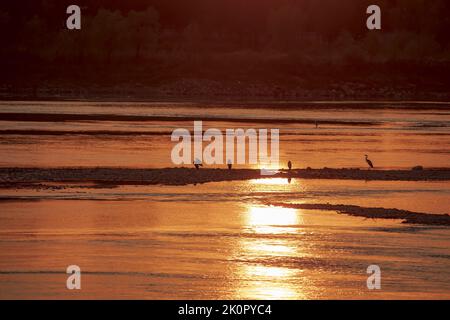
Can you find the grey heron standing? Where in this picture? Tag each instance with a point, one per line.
(290, 165)
(369, 162)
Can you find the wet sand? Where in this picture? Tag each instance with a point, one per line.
(10, 177)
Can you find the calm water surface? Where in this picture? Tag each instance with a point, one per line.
(394, 138)
(219, 240)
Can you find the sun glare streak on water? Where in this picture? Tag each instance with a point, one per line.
(261, 279)
(270, 181)
(272, 219)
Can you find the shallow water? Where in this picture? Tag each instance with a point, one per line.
(219, 241)
(394, 138)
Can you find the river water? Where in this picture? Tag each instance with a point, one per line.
(222, 240)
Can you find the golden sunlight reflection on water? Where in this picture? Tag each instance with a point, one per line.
(272, 219)
(262, 277)
(270, 181)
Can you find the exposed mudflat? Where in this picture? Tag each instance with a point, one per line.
(375, 213)
(12, 177)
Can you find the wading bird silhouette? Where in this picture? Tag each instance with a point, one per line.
(197, 163)
(369, 162)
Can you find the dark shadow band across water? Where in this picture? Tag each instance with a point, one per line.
(53, 117)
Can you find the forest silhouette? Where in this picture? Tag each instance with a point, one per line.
(281, 44)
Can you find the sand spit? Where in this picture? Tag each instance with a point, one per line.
(10, 177)
(375, 213)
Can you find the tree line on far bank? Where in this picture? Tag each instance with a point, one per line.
(280, 34)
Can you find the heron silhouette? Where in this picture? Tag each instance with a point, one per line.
(369, 162)
(229, 164)
(197, 163)
(290, 165)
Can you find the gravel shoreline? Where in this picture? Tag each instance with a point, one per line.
(408, 217)
(11, 177)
